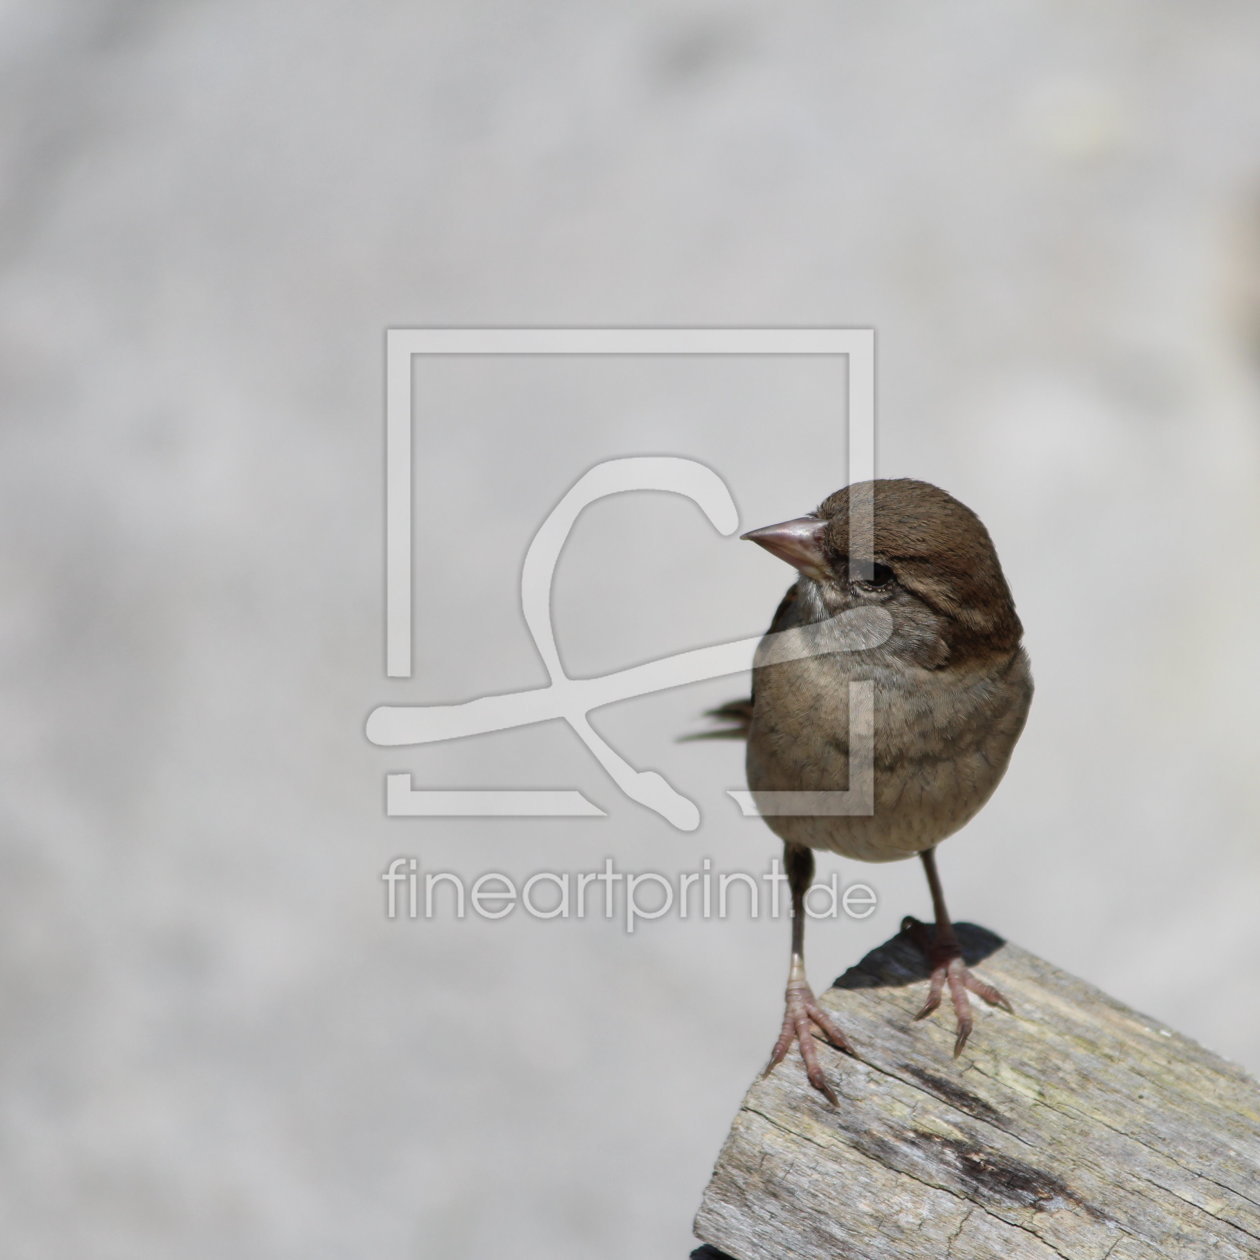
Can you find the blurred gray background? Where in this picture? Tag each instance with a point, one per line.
(213, 1043)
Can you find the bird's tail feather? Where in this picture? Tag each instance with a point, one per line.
(735, 716)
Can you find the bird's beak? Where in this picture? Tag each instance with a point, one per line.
(799, 542)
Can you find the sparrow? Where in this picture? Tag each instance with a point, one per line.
(949, 686)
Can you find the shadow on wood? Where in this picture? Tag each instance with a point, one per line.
(1076, 1129)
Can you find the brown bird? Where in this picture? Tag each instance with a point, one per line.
(949, 689)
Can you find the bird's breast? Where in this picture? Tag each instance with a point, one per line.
(940, 739)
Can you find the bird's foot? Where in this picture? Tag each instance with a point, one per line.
(948, 970)
(801, 1016)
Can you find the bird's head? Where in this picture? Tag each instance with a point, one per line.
(932, 566)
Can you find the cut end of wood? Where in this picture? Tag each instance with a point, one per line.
(1074, 1129)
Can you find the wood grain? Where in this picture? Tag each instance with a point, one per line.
(1075, 1129)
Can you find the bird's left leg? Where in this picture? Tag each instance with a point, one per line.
(944, 956)
(802, 1014)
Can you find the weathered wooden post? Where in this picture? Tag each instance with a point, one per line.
(1075, 1130)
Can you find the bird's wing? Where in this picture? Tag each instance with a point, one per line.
(736, 715)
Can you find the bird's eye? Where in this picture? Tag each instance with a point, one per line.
(872, 575)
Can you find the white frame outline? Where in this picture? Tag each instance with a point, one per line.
(403, 345)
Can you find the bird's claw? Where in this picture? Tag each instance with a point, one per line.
(801, 1016)
(949, 970)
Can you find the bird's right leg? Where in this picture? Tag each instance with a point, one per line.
(945, 957)
(802, 1014)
